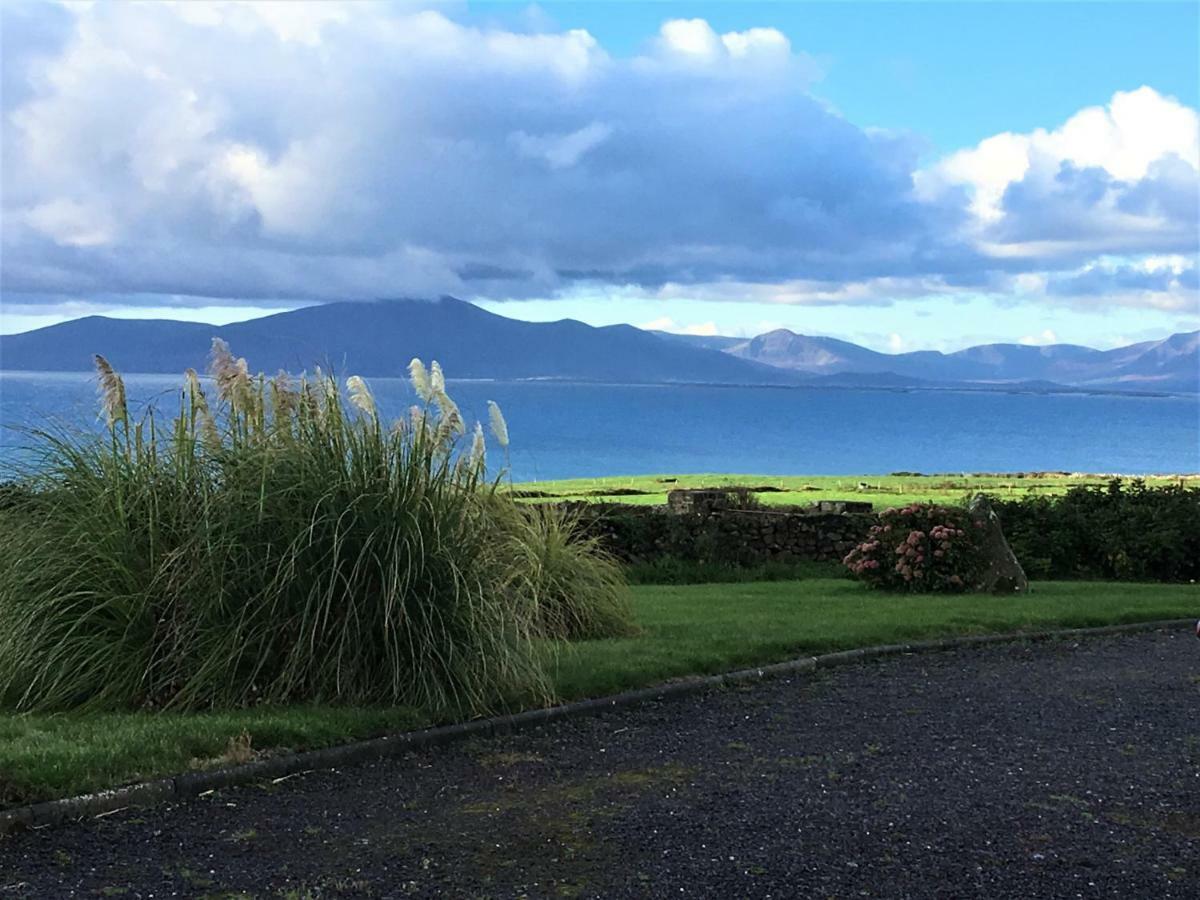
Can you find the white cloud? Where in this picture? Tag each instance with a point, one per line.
(1040, 340)
(292, 196)
(289, 22)
(561, 151)
(806, 292)
(18, 317)
(662, 323)
(71, 223)
(1111, 178)
(1135, 130)
(986, 171)
(756, 40)
(690, 37)
(1166, 283)
(695, 40)
(666, 323)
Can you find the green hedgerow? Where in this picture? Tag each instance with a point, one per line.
(1126, 531)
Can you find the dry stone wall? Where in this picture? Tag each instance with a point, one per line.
(742, 536)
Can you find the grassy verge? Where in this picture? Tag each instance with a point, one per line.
(672, 570)
(686, 629)
(44, 756)
(699, 629)
(883, 490)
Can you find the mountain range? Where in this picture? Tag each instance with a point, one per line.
(379, 339)
(1171, 364)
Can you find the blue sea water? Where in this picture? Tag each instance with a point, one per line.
(588, 430)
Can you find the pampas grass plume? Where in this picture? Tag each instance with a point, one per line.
(360, 395)
(478, 448)
(112, 392)
(499, 426)
(420, 380)
(284, 394)
(199, 401)
(450, 417)
(231, 374)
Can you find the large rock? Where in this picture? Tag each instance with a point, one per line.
(697, 502)
(1002, 573)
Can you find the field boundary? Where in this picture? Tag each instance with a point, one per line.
(193, 784)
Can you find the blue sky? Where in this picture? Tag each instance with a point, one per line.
(954, 73)
(902, 175)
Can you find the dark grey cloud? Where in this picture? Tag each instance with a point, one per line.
(1099, 281)
(1087, 204)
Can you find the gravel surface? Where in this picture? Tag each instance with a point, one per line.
(1059, 769)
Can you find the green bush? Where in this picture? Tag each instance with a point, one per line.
(741, 498)
(577, 589)
(919, 548)
(1119, 532)
(284, 545)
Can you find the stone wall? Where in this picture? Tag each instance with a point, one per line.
(741, 536)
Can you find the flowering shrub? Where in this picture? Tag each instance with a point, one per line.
(920, 548)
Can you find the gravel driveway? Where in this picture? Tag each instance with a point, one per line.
(1057, 769)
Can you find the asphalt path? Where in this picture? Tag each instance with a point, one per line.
(1055, 769)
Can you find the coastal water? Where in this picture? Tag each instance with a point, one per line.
(587, 430)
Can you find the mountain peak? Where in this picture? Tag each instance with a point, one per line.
(379, 338)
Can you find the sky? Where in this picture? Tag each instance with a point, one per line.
(906, 176)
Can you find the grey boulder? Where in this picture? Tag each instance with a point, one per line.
(1002, 573)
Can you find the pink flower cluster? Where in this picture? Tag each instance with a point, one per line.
(935, 553)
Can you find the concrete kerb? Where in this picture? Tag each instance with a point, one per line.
(194, 784)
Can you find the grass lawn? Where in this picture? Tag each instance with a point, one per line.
(882, 490)
(709, 628)
(686, 630)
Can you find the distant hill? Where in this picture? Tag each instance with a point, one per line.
(1172, 364)
(380, 338)
(707, 341)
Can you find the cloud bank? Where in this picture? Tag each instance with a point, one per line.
(258, 153)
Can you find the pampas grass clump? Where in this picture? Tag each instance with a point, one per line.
(277, 542)
(578, 590)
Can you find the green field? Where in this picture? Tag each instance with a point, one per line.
(882, 490)
(685, 630)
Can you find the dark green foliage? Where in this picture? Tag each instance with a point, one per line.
(742, 498)
(13, 494)
(1123, 532)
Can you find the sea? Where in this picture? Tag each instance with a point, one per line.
(584, 430)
